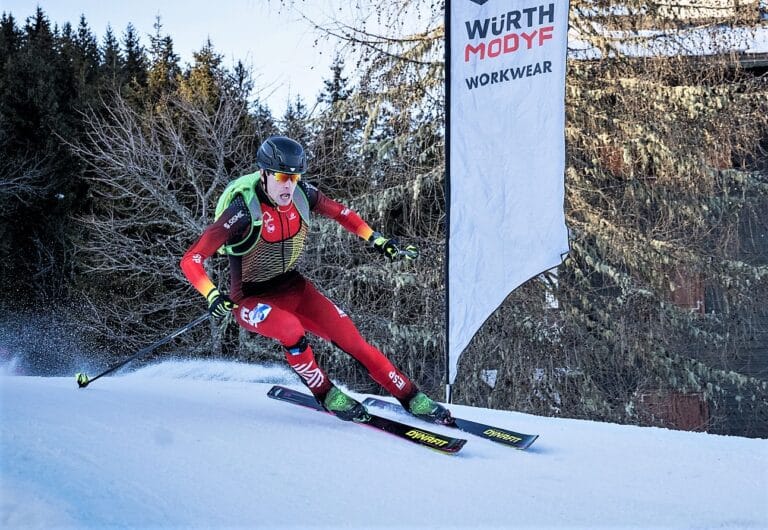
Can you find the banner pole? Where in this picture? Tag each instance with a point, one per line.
(447, 187)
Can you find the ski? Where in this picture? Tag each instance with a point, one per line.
(495, 434)
(438, 442)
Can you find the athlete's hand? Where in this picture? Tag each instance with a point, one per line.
(219, 304)
(390, 247)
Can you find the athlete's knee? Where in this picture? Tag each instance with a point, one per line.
(297, 348)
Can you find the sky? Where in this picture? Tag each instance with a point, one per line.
(287, 55)
(198, 444)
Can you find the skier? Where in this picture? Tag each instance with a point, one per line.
(262, 225)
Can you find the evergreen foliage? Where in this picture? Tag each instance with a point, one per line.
(112, 65)
(48, 78)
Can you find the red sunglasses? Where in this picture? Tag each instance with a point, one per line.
(285, 177)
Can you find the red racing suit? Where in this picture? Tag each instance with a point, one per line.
(276, 301)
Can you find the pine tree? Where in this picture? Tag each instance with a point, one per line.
(164, 64)
(136, 62)
(69, 67)
(10, 38)
(336, 88)
(241, 80)
(87, 65)
(205, 79)
(112, 64)
(10, 46)
(36, 78)
(335, 141)
(263, 121)
(295, 121)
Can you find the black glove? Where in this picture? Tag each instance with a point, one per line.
(219, 304)
(390, 247)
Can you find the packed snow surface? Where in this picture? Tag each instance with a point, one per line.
(187, 444)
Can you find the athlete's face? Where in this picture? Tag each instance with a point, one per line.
(280, 187)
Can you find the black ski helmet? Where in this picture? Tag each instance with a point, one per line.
(280, 153)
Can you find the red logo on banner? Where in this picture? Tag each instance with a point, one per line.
(498, 36)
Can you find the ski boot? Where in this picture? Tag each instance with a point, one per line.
(424, 407)
(344, 407)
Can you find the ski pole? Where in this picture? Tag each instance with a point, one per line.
(83, 380)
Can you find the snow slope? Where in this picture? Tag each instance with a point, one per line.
(198, 444)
